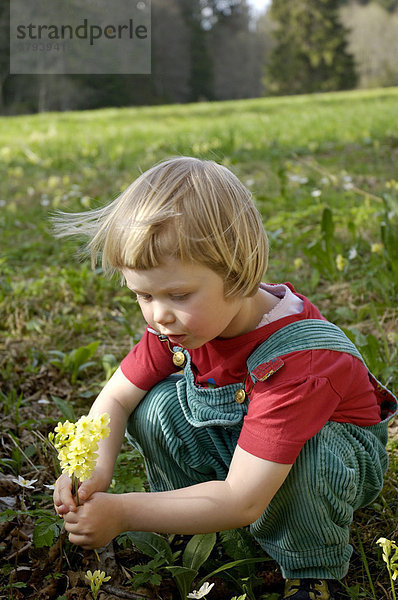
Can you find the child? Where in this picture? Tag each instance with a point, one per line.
(275, 421)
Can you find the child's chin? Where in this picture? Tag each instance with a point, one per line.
(192, 345)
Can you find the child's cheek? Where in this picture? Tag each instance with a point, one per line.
(147, 314)
(190, 320)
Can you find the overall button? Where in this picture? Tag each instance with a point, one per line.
(240, 396)
(179, 359)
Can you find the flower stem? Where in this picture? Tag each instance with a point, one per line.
(392, 582)
(75, 488)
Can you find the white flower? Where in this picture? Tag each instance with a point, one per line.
(316, 193)
(203, 591)
(297, 178)
(50, 487)
(25, 483)
(352, 253)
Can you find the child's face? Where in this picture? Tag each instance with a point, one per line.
(186, 302)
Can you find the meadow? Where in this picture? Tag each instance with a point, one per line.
(323, 171)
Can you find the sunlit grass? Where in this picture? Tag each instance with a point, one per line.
(323, 172)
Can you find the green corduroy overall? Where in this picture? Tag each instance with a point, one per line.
(188, 434)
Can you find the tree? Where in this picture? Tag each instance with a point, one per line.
(201, 75)
(389, 5)
(373, 40)
(310, 54)
(201, 50)
(4, 49)
(237, 50)
(171, 64)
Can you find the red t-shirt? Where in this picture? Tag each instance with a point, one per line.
(313, 386)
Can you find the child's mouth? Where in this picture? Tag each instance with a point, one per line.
(176, 339)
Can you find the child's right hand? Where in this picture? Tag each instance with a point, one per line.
(65, 502)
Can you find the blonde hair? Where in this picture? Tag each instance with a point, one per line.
(185, 208)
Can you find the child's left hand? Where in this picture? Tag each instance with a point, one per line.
(96, 522)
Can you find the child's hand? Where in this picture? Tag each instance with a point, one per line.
(65, 502)
(89, 526)
(62, 497)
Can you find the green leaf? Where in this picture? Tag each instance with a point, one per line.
(152, 565)
(327, 225)
(148, 573)
(78, 359)
(147, 577)
(61, 355)
(85, 365)
(239, 545)
(8, 515)
(110, 365)
(358, 338)
(46, 530)
(183, 578)
(65, 408)
(198, 550)
(151, 544)
(232, 565)
(321, 257)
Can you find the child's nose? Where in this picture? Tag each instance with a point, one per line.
(162, 315)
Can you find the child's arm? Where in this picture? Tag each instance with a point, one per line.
(211, 506)
(118, 398)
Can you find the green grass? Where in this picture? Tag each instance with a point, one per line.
(323, 171)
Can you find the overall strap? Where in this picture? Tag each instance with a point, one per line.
(312, 334)
(307, 334)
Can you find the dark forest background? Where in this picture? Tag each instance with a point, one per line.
(205, 50)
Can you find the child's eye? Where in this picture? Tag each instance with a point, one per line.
(179, 297)
(144, 297)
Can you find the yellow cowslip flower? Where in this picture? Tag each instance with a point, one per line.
(97, 576)
(84, 423)
(376, 248)
(340, 262)
(392, 185)
(388, 546)
(298, 263)
(53, 181)
(64, 429)
(63, 456)
(103, 425)
(82, 467)
(96, 579)
(77, 444)
(390, 557)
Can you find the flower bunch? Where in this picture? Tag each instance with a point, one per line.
(390, 557)
(96, 579)
(77, 444)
